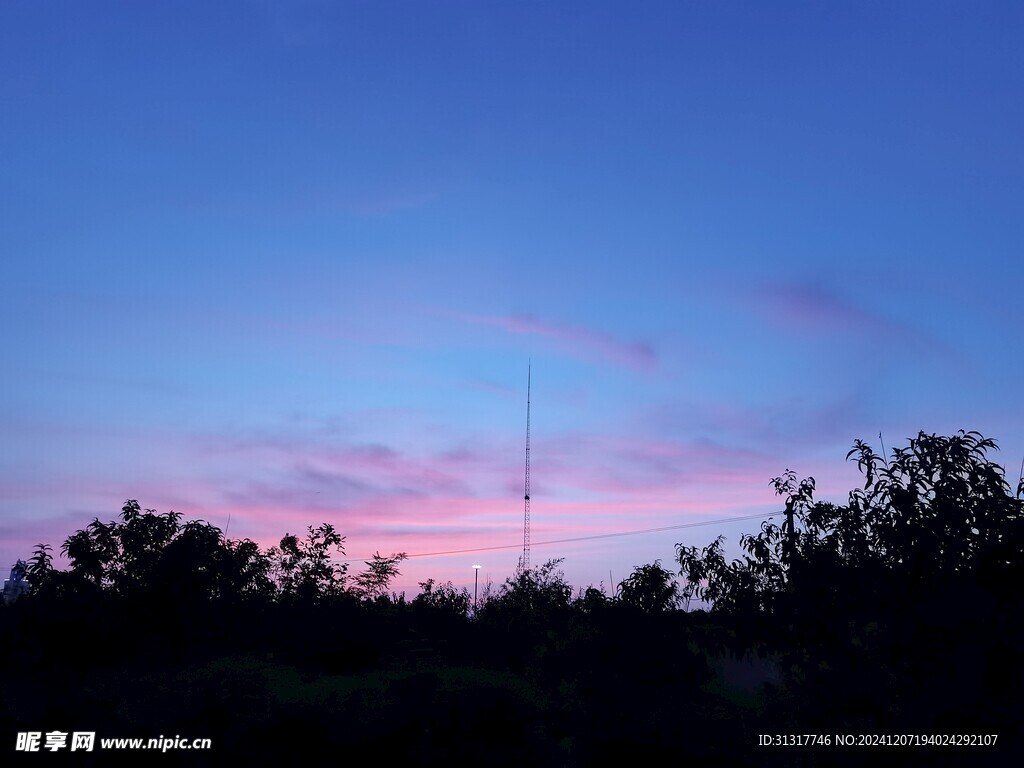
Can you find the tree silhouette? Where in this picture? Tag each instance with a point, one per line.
(650, 588)
(304, 568)
(937, 512)
(374, 581)
(532, 595)
(146, 553)
(247, 571)
(593, 600)
(40, 568)
(443, 599)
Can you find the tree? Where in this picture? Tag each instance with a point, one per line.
(40, 569)
(443, 599)
(650, 588)
(536, 592)
(374, 581)
(936, 513)
(592, 600)
(248, 570)
(158, 555)
(304, 568)
(121, 556)
(200, 562)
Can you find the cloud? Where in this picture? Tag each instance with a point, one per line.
(855, 335)
(455, 491)
(618, 467)
(815, 308)
(578, 341)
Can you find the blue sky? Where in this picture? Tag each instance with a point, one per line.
(289, 262)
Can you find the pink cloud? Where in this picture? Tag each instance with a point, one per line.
(465, 493)
(576, 340)
(295, 468)
(622, 466)
(489, 525)
(814, 308)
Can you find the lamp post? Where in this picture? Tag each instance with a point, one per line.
(476, 581)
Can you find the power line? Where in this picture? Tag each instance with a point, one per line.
(582, 538)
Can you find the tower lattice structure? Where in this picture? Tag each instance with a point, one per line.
(524, 562)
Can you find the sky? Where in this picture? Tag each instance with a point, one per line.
(271, 265)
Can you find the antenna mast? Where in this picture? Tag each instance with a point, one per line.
(524, 563)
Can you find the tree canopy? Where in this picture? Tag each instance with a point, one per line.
(935, 514)
(148, 553)
(650, 588)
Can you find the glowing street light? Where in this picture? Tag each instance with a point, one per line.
(476, 581)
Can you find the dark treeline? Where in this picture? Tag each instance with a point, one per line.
(896, 613)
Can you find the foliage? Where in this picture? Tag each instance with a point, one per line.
(40, 568)
(249, 572)
(145, 552)
(938, 507)
(540, 591)
(304, 568)
(592, 600)
(937, 512)
(157, 554)
(444, 599)
(650, 588)
(374, 581)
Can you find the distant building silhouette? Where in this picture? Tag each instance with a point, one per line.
(17, 585)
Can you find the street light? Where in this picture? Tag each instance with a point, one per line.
(476, 581)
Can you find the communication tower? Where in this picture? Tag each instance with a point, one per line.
(524, 561)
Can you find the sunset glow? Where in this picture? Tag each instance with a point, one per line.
(281, 264)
